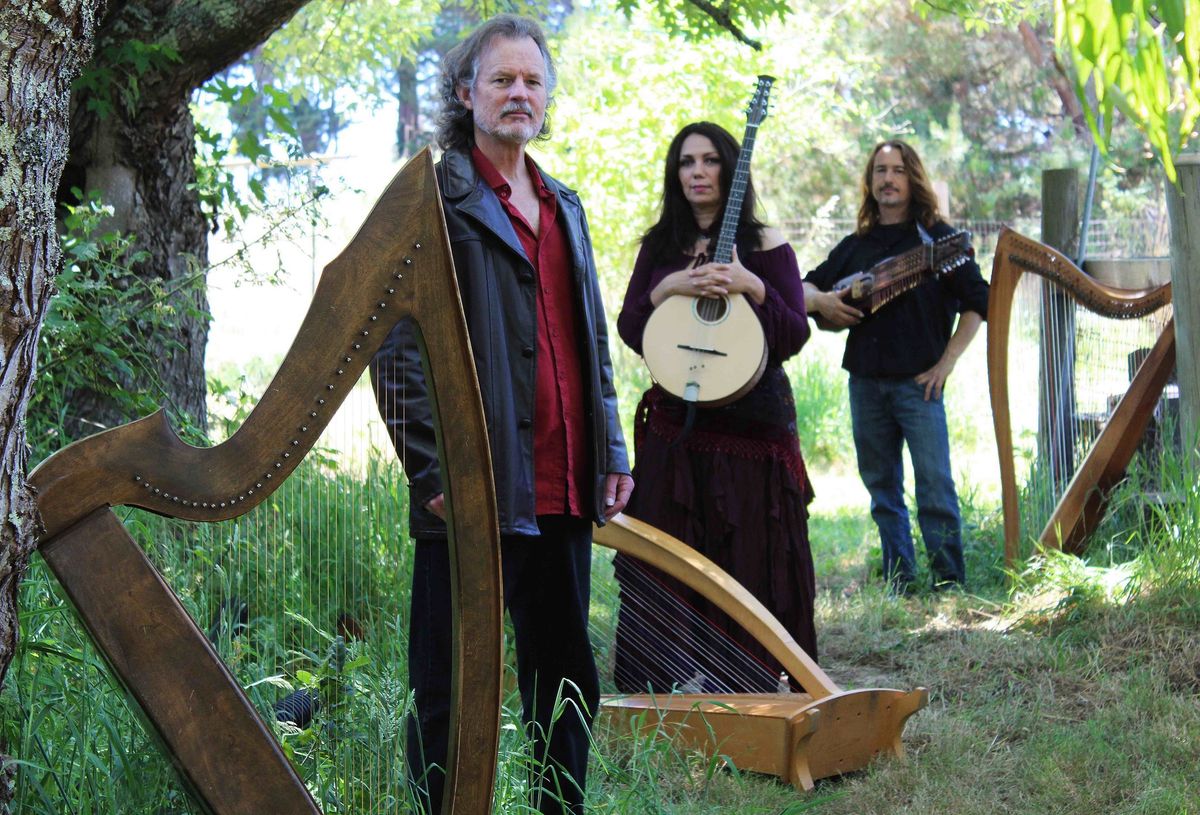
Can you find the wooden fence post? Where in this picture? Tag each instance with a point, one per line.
(1056, 361)
(1060, 210)
(1183, 209)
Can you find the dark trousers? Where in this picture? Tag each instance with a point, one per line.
(547, 587)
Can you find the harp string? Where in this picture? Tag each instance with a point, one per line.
(1078, 364)
(300, 598)
(671, 637)
(675, 619)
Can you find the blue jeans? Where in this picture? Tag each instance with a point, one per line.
(886, 414)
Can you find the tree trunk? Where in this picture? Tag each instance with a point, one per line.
(145, 170)
(408, 127)
(1058, 77)
(140, 157)
(43, 45)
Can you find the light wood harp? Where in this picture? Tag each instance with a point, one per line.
(1080, 453)
(398, 265)
(799, 737)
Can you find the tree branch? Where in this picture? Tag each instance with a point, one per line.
(208, 35)
(1058, 78)
(723, 18)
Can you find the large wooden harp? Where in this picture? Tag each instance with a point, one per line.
(1079, 469)
(397, 266)
(799, 737)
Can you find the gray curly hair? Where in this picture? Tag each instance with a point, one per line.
(455, 123)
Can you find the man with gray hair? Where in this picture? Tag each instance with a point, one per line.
(523, 257)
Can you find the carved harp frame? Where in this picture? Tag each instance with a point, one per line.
(397, 265)
(1081, 507)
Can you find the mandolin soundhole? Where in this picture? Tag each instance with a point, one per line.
(711, 310)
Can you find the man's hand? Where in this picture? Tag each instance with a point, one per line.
(935, 378)
(617, 489)
(831, 308)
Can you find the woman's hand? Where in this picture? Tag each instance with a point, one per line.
(711, 280)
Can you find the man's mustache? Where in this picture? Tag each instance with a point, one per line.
(517, 107)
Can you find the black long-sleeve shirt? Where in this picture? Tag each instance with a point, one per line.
(909, 334)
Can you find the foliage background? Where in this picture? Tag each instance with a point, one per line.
(986, 118)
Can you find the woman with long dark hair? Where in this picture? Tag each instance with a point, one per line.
(732, 483)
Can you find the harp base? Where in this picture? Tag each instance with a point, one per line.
(789, 735)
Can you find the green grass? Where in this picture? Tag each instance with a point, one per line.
(1070, 687)
(1074, 689)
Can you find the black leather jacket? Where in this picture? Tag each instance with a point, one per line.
(498, 292)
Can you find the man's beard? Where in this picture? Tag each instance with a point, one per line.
(516, 132)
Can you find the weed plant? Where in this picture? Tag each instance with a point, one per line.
(95, 340)
(821, 393)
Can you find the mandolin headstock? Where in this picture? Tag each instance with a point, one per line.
(756, 111)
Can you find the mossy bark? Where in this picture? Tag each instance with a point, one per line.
(43, 44)
(143, 154)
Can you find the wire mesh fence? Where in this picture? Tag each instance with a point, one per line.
(1149, 236)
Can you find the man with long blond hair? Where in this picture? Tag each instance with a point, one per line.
(899, 358)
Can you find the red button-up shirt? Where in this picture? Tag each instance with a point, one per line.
(560, 458)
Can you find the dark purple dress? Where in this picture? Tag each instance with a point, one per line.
(735, 489)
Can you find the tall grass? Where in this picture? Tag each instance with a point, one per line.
(821, 392)
(1072, 688)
